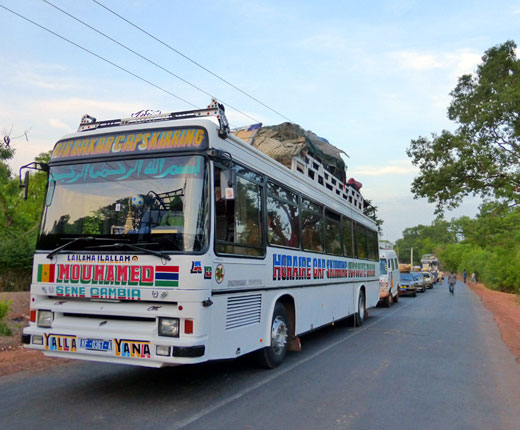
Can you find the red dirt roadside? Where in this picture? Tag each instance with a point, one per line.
(506, 310)
(14, 358)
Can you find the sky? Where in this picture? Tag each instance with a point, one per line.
(368, 76)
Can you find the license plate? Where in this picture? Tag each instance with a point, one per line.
(96, 344)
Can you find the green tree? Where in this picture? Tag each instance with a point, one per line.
(19, 221)
(371, 211)
(425, 240)
(482, 156)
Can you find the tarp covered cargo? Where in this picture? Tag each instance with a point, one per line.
(284, 141)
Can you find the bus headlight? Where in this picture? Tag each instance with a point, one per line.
(44, 319)
(169, 327)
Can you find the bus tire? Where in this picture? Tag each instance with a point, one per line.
(360, 315)
(396, 297)
(388, 300)
(273, 355)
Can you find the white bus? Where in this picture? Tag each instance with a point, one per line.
(167, 240)
(389, 276)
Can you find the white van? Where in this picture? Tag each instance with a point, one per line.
(389, 277)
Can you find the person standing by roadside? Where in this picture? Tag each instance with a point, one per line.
(473, 277)
(452, 279)
(465, 275)
(441, 276)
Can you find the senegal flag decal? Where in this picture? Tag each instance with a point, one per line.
(45, 272)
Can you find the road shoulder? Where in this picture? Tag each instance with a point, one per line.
(505, 308)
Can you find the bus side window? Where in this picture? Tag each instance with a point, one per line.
(222, 207)
(332, 233)
(283, 224)
(373, 246)
(312, 226)
(238, 228)
(348, 243)
(360, 236)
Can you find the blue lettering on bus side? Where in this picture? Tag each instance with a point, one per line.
(291, 267)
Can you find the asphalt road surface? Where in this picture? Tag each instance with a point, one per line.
(431, 362)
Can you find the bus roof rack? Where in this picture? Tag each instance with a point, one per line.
(215, 109)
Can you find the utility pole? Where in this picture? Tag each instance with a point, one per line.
(411, 257)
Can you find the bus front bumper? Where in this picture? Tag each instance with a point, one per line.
(152, 351)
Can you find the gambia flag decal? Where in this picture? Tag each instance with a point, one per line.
(166, 276)
(45, 272)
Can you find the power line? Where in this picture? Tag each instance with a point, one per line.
(189, 59)
(147, 59)
(98, 56)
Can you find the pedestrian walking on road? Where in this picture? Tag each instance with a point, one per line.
(465, 275)
(452, 279)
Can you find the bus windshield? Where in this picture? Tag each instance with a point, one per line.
(382, 269)
(159, 204)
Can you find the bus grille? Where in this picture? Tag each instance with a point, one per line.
(243, 310)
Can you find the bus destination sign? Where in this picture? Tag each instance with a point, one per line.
(173, 139)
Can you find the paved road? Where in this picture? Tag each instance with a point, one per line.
(432, 362)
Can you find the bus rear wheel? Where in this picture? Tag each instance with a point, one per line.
(388, 300)
(360, 315)
(273, 355)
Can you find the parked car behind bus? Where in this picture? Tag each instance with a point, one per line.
(420, 281)
(428, 279)
(407, 284)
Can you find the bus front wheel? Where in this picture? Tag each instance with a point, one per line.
(272, 356)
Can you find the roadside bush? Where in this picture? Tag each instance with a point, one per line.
(4, 309)
(15, 280)
(451, 256)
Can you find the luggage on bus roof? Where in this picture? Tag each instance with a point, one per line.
(284, 141)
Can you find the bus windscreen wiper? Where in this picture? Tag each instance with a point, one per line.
(135, 248)
(65, 245)
(77, 239)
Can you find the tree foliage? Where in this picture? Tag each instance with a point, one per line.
(482, 156)
(371, 211)
(488, 245)
(19, 221)
(424, 240)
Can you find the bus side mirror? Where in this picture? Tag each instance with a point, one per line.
(25, 184)
(44, 167)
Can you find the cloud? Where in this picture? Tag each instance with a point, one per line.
(417, 60)
(75, 108)
(56, 123)
(393, 168)
(49, 83)
(456, 62)
(328, 41)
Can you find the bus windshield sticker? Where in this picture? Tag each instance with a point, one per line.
(170, 139)
(129, 169)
